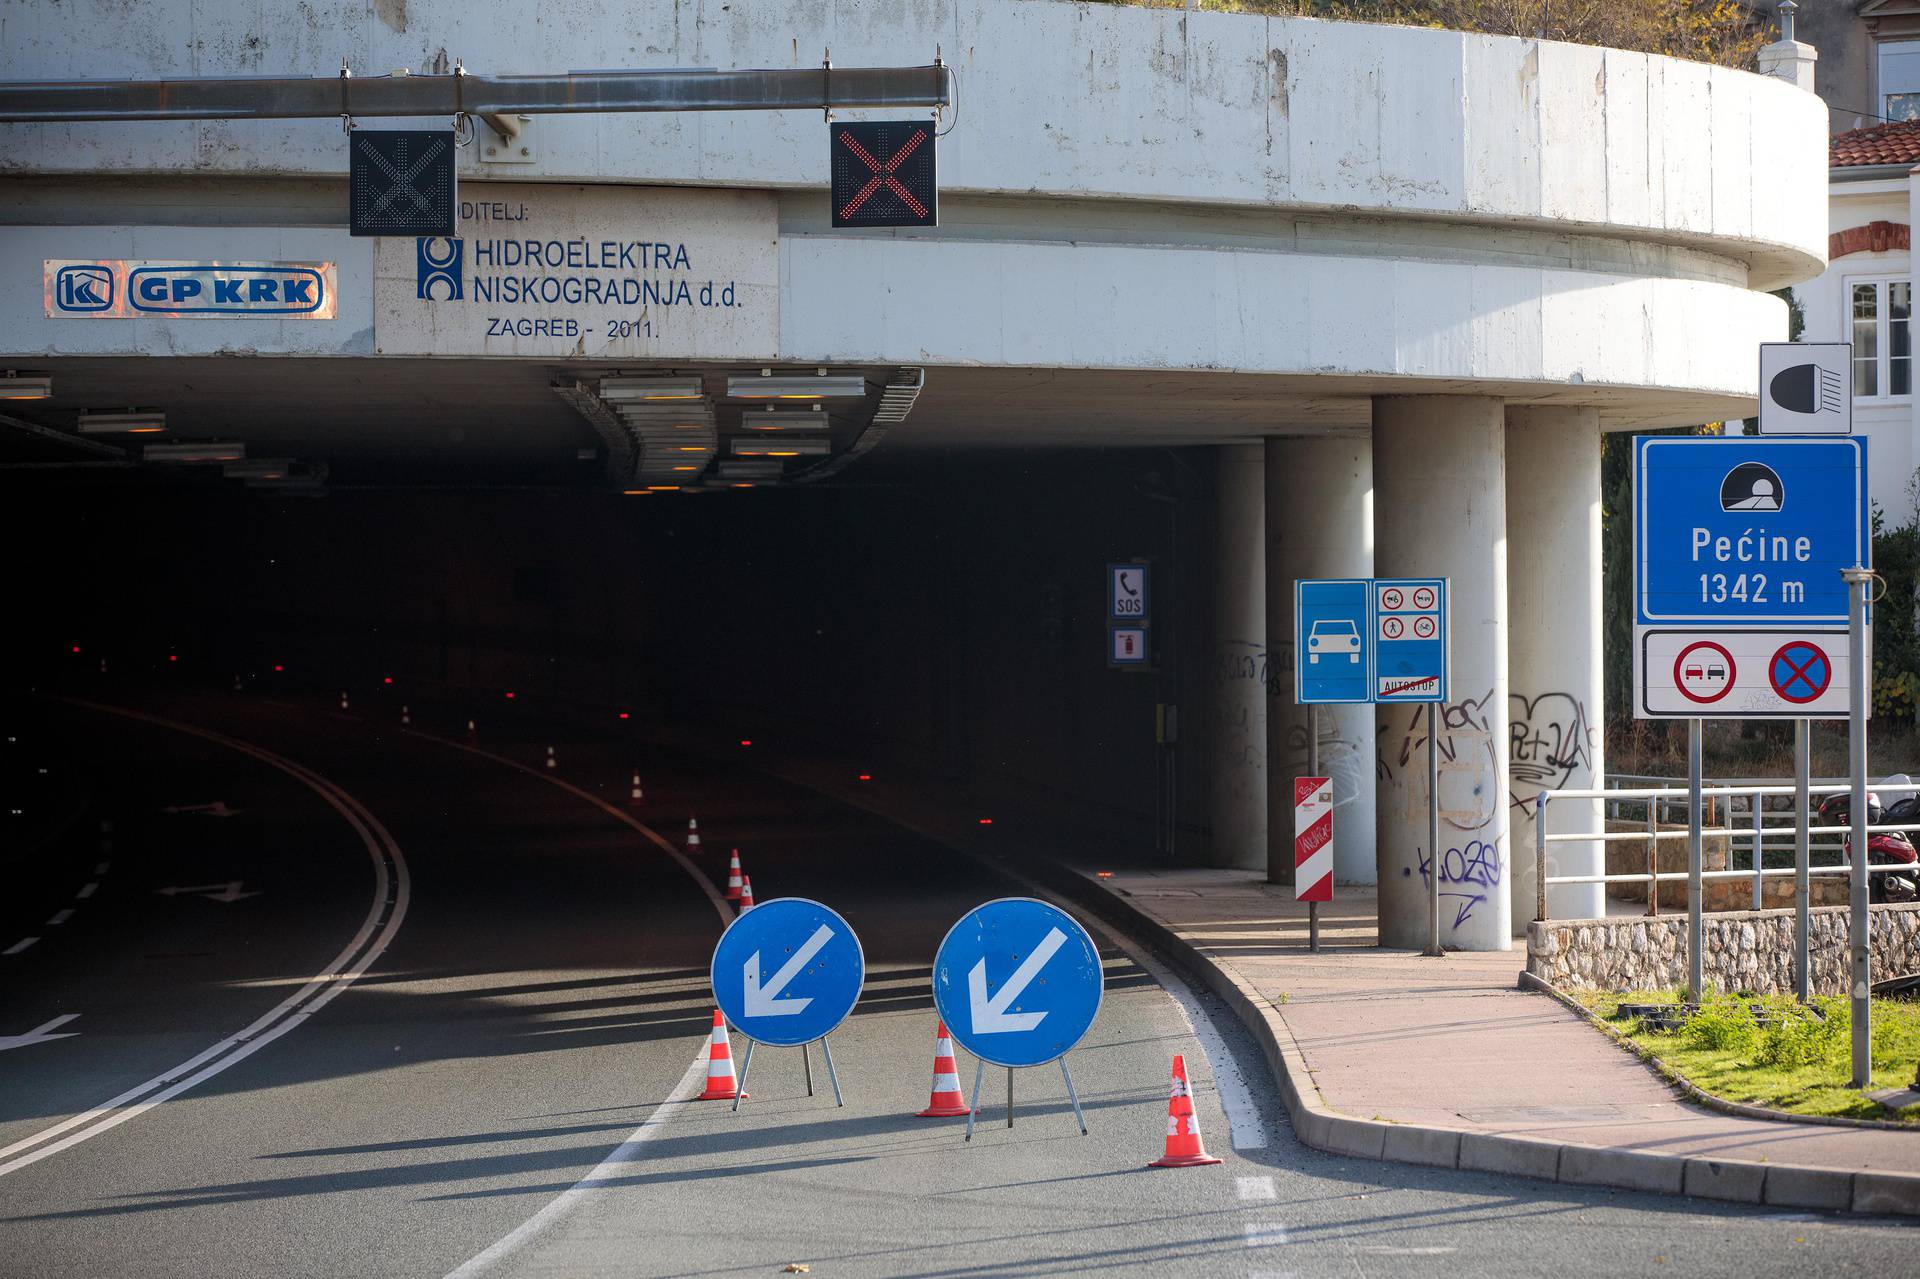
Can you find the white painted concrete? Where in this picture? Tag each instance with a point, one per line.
(1319, 524)
(1105, 101)
(1237, 714)
(1439, 479)
(1554, 669)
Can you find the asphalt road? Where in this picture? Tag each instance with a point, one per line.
(500, 1091)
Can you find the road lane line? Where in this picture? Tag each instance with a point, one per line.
(392, 892)
(720, 903)
(60, 917)
(87, 889)
(19, 946)
(1253, 1189)
(1265, 1234)
(557, 1208)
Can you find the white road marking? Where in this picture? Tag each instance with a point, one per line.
(1265, 1234)
(566, 1201)
(102, 868)
(40, 1034)
(227, 892)
(720, 903)
(1385, 1250)
(60, 917)
(1255, 1188)
(86, 890)
(376, 933)
(19, 946)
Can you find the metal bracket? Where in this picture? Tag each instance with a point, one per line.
(512, 140)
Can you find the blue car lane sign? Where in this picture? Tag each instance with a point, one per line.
(1410, 657)
(1332, 643)
(787, 972)
(1744, 531)
(1017, 981)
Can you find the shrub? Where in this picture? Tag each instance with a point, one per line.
(1723, 1025)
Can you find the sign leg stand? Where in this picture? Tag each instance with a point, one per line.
(806, 1056)
(1696, 960)
(1313, 770)
(1009, 1096)
(1859, 918)
(1313, 931)
(1802, 890)
(746, 1065)
(973, 1107)
(1435, 712)
(833, 1076)
(1073, 1096)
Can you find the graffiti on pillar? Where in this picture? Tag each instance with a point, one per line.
(1339, 759)
(1239, 719)
(1469, 875)
(1549, 742)
(1469, 763)
(1237, 660)
(1280, 670)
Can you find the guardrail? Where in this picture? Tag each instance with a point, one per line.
(1756, 834)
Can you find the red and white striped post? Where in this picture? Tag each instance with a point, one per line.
(1313, 849)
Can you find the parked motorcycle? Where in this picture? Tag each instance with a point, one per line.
(1884, 848)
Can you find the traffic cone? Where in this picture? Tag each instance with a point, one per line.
(550, 763)
(406, 715)
(1183, 1126)
(343, 701)
(693, 834)
(721, 1084)
(471, 732)
(635, 794)
(733, 877)
(746, 893)
(947, 1099)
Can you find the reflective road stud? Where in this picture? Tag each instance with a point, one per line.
(947, 1100)
(720, 1081)
(550, 760)
(635, 794)
(343, 700)
(1183, 1127)
(734, 882)
(693, 834)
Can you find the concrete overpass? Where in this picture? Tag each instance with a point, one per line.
(1400, 278)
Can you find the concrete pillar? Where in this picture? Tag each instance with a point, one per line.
(1238, 726)
(1440, 510)
(1554, 669)
(1319, 524)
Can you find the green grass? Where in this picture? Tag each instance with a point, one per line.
(1801, 1063)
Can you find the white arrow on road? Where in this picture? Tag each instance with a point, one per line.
(764, 1001)
(227, 892)
(218, 808)
(990, 1016)
(39, 1034)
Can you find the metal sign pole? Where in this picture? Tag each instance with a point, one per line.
(1433, 829)
(1313, 770)
(806, 1056)
(1073, 1096)
(746, 1065)
(973, 1107)
(833, 1076)
(1696, 958)
(1858, 918)
(1802, 858)
(1009, 1096)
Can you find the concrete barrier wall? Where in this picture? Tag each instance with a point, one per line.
(1748, 951)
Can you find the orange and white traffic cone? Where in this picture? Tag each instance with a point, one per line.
(693, 834)
(550, 761)
(1183, 1127)
(947, 1099)
(746, 893)
(635, 794)
(733, 877)
(721, 1084)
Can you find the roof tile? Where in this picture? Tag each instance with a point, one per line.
(1896, 143)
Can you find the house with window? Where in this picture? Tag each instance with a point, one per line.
(1869, 76)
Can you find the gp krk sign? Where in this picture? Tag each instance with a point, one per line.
(883, 174)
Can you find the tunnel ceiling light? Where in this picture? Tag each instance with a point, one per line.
(16, 386)
(628, 390)
(130, 422)
(833, 386)
(782, 446)
(788, 420)
(203, 452)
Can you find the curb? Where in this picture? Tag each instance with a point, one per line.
(1569, 1163)
(1686, 1087)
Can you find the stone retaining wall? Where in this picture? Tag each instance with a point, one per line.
(1745, 950)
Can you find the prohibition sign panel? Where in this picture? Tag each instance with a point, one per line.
(1704, 672)
(1800, 671)
(882, 173)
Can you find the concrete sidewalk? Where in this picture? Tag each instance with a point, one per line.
(1452, 1044)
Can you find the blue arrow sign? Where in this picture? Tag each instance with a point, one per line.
(1017, 981)
(1735, 530)
(1333, 641)
(787, 972)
